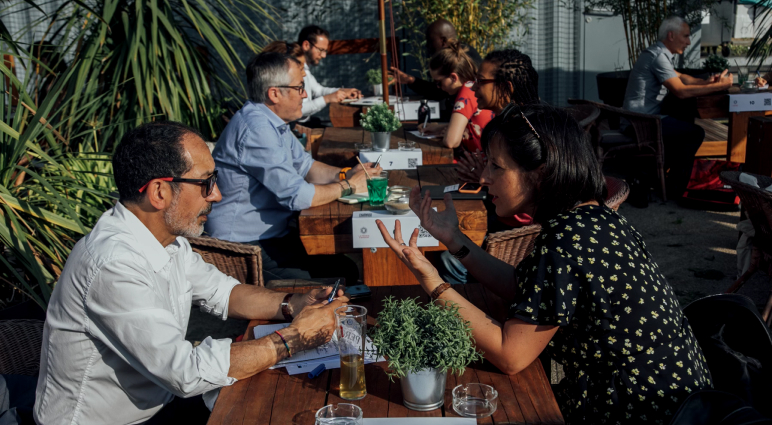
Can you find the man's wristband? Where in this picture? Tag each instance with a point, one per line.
(345, 191)
(439, 290)
(285, 308)
(342, 173)
(461, 253)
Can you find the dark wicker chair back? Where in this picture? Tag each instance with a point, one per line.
(240, 261)
(646, 143)
(20, 344)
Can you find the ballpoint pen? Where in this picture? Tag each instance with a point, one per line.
(334, 291)
(426, 119)
(378, 161)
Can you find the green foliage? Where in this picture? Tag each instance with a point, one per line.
(374, 76)
(415, 337)
(380, 118)
(715, 63)
(642, 18)
(738, 49)
(52, 188)
(482, 24)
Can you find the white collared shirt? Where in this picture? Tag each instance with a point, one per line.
(114, 348)
(315, 101)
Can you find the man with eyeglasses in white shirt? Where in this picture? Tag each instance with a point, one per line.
(114, 348)
(315, 41)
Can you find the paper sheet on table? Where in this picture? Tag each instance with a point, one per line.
(420, 421)
(418, 134)
(306, 361)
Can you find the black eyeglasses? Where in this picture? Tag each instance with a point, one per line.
(322, 51)
(515, 108)
(209, 182)
(481, 81)
(301, 88)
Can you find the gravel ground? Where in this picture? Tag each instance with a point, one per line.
(694, 248)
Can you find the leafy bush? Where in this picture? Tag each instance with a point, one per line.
(379, 118)
(715, 63)
(415, 337)
(738, 49)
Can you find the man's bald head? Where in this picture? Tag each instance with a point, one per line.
(437, 35)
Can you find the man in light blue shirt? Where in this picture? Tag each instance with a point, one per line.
(651, 79)
(266, 176)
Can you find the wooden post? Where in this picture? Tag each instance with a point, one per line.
(384, 61)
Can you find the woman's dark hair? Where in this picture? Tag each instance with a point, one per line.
(571, 173)
(311, 32)
(454, 59)
(148, 152)
(514, 66)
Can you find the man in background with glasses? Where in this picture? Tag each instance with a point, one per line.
(315, 41)
(267, 177)
(114, 348)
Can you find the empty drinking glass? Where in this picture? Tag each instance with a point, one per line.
(339, 414)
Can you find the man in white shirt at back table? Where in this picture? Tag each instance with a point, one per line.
(114, 348)
(315, 41)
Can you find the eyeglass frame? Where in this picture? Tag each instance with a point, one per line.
(323, 51)
(480, 81)
(210, 182)
(301, 88)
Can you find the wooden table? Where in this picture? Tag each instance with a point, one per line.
(716, 105)
(274, 397)
(337, 146)
(326, 229)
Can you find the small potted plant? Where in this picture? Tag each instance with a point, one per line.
(375, 78)
(380, 121)
(421, 343)
(715, 64)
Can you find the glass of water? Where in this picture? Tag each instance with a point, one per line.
(339, 414)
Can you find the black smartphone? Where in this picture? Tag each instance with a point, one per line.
(358, 292)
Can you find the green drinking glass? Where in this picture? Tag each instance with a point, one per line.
(376, 188)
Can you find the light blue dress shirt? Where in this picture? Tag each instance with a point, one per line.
(645, 88)
(262, 169)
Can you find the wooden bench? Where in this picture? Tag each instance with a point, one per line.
(716, 136)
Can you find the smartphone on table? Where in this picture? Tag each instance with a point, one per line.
(470, 188)
(357, 292)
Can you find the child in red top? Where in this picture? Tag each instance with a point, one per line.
(454, 72)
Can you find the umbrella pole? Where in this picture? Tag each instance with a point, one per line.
(384, 62)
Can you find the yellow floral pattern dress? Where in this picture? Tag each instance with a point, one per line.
(628, 352)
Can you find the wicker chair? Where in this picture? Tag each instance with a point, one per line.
(609, 143)
(20, 344)
(241, 261)
(757, 203)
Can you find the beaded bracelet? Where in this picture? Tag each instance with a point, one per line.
(289, 353)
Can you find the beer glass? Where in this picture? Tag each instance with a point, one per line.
(352, 327)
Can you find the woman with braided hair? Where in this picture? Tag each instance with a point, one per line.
(505, 76)
(454, 72)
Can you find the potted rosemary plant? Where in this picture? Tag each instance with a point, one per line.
(422, 343)
(380, 121)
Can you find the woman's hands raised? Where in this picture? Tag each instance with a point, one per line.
(442, 225)
(421, 268)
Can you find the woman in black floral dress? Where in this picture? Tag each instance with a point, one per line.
(589, 294)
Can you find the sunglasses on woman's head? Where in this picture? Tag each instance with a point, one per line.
(514, 108)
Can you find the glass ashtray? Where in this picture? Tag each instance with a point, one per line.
(475, 400)
(398, 200)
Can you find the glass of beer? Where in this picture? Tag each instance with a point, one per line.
(352, 327)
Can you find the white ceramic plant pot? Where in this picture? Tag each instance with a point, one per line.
(381, 140)
(424, 390)
(378, 89)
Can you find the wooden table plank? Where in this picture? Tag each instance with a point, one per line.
(275, 397)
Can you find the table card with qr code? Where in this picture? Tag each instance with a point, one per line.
(451, 188)
(395, 159)
(365, 232)
(761, 101)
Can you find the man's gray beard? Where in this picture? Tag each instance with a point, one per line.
(176, 222)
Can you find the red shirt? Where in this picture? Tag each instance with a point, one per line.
(466, 105)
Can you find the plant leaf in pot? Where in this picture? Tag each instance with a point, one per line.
(380, 121)
(422, 343)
